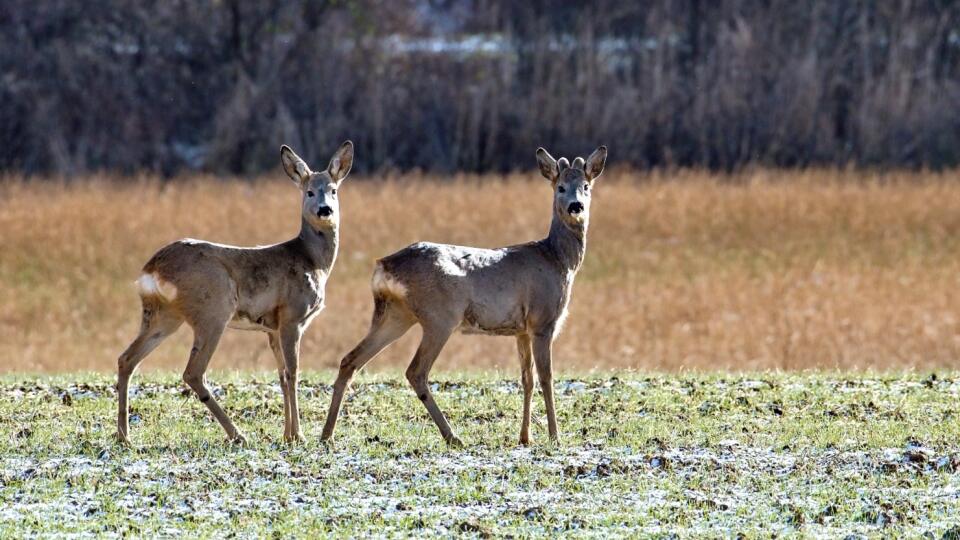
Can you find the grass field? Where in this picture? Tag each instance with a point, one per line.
(662, 456)
(761, 270)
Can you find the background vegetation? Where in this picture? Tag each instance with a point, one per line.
(476, 85)
(763, 269)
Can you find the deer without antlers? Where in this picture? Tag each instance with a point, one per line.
(519, 291)
(275, 289)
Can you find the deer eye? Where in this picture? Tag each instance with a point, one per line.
(333, 191)
(309, 194)
(586, 188)
(562, 189)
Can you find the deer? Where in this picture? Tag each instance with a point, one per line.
(276, 289)
(520, 291)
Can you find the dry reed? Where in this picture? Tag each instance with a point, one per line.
(684, 270)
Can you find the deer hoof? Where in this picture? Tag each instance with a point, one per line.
(238, 440)
(297, 438)
(524, 441)
(122, 439)
(455, 442)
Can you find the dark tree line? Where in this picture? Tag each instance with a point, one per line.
(476, 85)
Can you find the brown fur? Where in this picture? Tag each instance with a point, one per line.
(275, 289)
(519, 291)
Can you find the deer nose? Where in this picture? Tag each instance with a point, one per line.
(575, 207)
(324, 211)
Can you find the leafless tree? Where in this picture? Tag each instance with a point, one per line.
(462, 85)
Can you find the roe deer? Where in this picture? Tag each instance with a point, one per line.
(519, 291)
(275, 289)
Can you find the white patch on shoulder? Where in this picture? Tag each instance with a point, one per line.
(449, 267)
(461, 261)
(387, 284)
(195, 242)
(154, 285)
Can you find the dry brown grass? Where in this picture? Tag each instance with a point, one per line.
(768, 269)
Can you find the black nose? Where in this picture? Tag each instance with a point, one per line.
(575, 207)
(324, 211)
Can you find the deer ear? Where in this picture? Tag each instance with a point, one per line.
(341, 162)
(295, 167)
(548, 166)
(594, 165)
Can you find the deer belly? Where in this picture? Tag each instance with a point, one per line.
(491, 321)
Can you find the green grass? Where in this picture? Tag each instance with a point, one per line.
(689, 455)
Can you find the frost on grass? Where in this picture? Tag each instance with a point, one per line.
(640, 456)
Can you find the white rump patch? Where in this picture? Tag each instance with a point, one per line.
(385, 283)
(154, 285)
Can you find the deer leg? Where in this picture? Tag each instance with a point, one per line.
(542, 343)
(290, 345)
(387, 326)
(205, 340)
(526, 380)
(154, 328)
(434, 338)
(281, 371)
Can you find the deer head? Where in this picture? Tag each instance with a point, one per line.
(572, 184)
(320, 207)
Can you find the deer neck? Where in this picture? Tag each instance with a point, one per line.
(568, 243)
(319, 245)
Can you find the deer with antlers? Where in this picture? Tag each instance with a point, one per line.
(519, 291)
